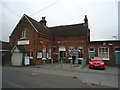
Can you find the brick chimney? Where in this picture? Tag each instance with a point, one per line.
(43, 21)
(86, 20)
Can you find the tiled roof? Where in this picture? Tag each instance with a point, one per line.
(107, 42)
(21, 48)
(41, 28)
(4, 45)
(75, 30)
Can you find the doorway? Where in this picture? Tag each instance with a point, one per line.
(117, 55)
(62, 55)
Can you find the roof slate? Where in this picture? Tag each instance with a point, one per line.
(41, 28)
(21, 48)
(75, 30)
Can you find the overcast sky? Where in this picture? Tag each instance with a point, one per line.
(102, 15)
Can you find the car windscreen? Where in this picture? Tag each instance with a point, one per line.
(96, 58)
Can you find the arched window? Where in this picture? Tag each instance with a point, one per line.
(24, 33)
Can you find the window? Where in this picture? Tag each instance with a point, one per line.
(103, 52)
(117, 49)
(44, 52)
(49, 53)
(63, 42)
(62, 53)
(91, 49)
(80, 53)
(39, 55)
(31, 54)
(24, 33)
(96, 58)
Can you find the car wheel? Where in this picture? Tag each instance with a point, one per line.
(89, 67)
(103, 68)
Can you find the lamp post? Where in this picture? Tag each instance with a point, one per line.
(115, 37)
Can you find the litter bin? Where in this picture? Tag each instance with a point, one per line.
(83, 63)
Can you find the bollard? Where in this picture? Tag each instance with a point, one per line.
(61, 63)
(52, 61)
(71, 63)
(44, 62)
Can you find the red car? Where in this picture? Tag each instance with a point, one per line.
(96, 62)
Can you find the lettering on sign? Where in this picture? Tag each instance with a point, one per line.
(23, 42)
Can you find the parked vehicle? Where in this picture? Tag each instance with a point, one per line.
(96, 62)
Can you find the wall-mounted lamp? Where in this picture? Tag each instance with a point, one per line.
(110, 44)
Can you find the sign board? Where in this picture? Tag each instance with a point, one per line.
(62, 49)
(27, 60)
(23, 42)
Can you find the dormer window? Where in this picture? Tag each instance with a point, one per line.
(24, 33)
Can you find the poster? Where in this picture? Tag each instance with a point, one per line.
(27, 60)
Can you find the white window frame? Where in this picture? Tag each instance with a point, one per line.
(39, 55)
(117, 50)
(91, 51)
(106, 52)
(24, 34)
(44, 53)
(49, 53)
(31, 55)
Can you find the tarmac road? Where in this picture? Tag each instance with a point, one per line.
(31, 77)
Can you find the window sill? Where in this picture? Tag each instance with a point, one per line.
(31, 57)
(91, 51)
(105, 58)
(23, 38)
(43, 58)
(39, 58)
(80, 58)
(69, 58)
(49, 58)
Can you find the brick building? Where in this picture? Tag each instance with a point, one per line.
(41, 43)
(5, 52)
(108, 50)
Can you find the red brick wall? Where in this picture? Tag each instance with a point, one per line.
(111, 60)
(36, 38)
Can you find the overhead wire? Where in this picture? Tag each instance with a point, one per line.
(17, 15)
(11, 10)
(44, 8)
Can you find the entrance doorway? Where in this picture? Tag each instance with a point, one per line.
(74, 55)
(62, 55)
(117, 55)
(91, 52)
(62, 51)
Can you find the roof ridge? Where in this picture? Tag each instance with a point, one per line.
(28, 18)
(43, 30)
(66, 25)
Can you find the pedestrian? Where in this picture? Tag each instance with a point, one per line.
(73, 58)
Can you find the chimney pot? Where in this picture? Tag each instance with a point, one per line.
(43, 21)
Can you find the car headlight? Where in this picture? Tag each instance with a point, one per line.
(102, 63)
(90, 62)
